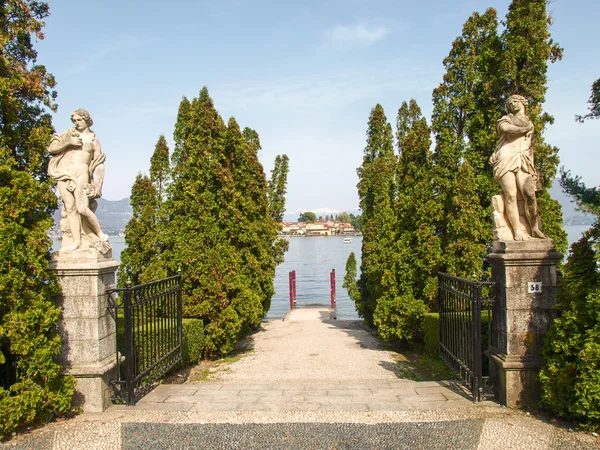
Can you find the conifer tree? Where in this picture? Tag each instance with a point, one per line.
(376, 191)
(350, 283)
(159, 166)
(571, 375)
(594, 102)
(417, 208)
(140, 235)
(28, 315)
(466, 106)
(219, 229)
(277, 187)
(195, 241)
(528, 47)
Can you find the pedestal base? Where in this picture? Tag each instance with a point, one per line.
(525, 273)
(87, 329)
(517, 384)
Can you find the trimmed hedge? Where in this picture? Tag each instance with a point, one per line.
(193, 340)
(430, 327)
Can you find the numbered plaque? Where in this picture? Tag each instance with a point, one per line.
(534, 287)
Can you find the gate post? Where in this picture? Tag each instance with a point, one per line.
(525, 273)
(87, 329)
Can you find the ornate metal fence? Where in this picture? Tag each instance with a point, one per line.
(8, 370)
(463, 306)
(149, 341)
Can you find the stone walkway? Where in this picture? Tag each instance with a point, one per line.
(308, 382)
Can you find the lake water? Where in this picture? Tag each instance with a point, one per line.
(312, 259)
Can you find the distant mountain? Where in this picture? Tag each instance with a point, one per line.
(113, 215)
(571, 216)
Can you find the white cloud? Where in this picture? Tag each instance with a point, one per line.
(346, 37)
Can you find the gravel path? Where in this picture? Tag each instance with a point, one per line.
(307, 345)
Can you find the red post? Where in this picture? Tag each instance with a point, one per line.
(294, 286)
(291, 278)
(333, 291)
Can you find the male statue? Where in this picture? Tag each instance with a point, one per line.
(77, 165)
(514, 169)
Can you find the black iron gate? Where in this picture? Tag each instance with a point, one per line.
(463, 306)
(148, 318)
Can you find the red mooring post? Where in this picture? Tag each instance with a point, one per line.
(294, 286)
(291, 279)
(332, 280)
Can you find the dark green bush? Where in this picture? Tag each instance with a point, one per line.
(193, 340)
(430, 326)
(571, 375)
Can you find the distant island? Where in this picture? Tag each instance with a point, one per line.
(114, 215)
(319, 228)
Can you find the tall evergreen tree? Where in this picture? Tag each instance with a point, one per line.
(571, 375)
(218, 228)
(159, 166)
(594, 102)
(417, 208)
(528, 47)
(28, 316)
(466, 106)
(376, 191)
(277, 187)
(140, 234)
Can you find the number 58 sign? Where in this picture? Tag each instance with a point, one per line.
(534, 287)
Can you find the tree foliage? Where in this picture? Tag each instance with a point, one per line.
(277, 187)
(212, 222)
(528, 47)
(28, 316)
(376, 191)
(594, 102)
(307, 217)
(159, 166)
(417, 208)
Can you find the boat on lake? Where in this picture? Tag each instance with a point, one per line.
(347, 240)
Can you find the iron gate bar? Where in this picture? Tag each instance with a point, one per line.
(460, 308)
(152, 335)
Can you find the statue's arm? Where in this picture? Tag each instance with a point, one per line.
(505, 127)
(97, 174)
(61, 142)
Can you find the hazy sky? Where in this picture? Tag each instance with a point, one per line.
(304, 74)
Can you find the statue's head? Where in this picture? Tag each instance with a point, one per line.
(84, 115)
(517, 98)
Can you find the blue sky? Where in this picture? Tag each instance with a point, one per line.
(303, 74)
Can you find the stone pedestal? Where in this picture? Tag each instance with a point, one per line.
(87, 329)
(525, 273)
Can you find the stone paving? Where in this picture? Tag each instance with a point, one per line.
(309, 383)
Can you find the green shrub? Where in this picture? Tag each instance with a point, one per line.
(193, 340)
(571, 376)
(430, 326)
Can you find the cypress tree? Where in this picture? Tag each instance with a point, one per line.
(140, 234)
(594, 102)
(466, 106)
(28, 316)
(159, 166)
(417, 207)
(277, 187)
(376, 191)
(571, 376)
(528, 47)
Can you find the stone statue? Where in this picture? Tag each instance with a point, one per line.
(77, 164)
(514, 170)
